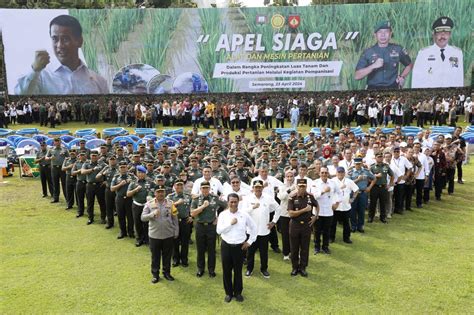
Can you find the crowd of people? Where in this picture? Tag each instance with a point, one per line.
(249, 189)
(251, 113)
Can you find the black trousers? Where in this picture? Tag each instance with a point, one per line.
(124, 214)
(268, 122)
(93, 191)
(300, 237)
(399, 198)
(344, 218)
(181, 244)
(450, 172)
(141, 228)
(80, 195)
(46, 183)
(322, 121)
(419, 185)
(161, 250)
(109, 206)
(58, 178)
(459, 168)
(323, 227)
(313, 119)
(70, 190)
(261, 243)
(273, 237)
(439, 183)
(378, 194)
(206, 241)
(280, 122)
(232, 261)
(284, 223)
(409, 189)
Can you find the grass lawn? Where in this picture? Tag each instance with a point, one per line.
(421, 262)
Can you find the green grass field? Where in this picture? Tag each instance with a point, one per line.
(421, 262)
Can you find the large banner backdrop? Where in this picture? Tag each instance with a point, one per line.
(316, 48)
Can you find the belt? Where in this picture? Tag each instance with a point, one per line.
(94, 183)
(381, 186)
(231, 245)
(70, 176)
(56, 166)
(298, 221)
(138, 204)
(183, 219)
(83, 181)
(205, 223)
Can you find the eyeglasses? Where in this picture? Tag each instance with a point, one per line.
(234, 182)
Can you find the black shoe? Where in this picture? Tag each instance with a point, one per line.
(185, 265)
(245, 261)
(327, 251)
(54, 201)
(175, 264)
(168, 277)
(409, 209)
(199, 273)
(276, 250)
(228, 298)
(332, 240)
(303, 273)
(155, 280)
(131, 235)
(44, 196)
(361, 230)
(191, 242)
(79, 215)
(109, 226)
(317, 251)
(384, 221)
(138, 243)
(419, 206)
(353, 230)
(265, 274)
(248, 273)
(212, 274)
(370, 220)
(460, 182)
(68, 208)
(89, 222)
(348, 241)
(102, 221)
(239, 298)
(294, 272)
(120, 236)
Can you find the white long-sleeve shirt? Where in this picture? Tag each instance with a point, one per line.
(59, 79)
(403, 164)
(216, 186)
(261, 215)
(284, 197)
(346, 187)
(236, 233)
(271, 181)
(425, 167)
(325, 199)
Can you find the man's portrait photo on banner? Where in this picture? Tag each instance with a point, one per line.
(439, 65)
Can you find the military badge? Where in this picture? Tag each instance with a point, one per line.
(394, 53)
(454, 61)
(430, 70)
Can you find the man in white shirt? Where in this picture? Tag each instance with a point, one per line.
(404, 166)
(326, 193)
(423, 175)
(71, 75)
(348, 191)
(439, 65)
(233, 225)
(302, 174)
(289, 185)
(347, 162)
(259, 206)
(216, 185)
(253, 113)
(268, 117)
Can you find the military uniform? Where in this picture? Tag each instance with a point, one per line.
(123, 204)
(379, 191)
(221, 175)
(45, 173)
(300, 229)
(194, 173)
(139, 200)
(109, 173)
(70, 181)
(360, 202)
(206, 231)
(80, 187)
(244, 175)
(57, 155)
(181, 244)
(95, 189)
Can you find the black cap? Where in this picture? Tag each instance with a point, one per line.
(57, 139)
(442, 24)
(94, 153)
(178, 182)
(226, 131)
(257, 183)
(160, 187)
(121, 163)
(301, 182)
(112, 157)
(82, 141)
(205, 184)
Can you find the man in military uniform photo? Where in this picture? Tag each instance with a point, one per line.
(380, 63)
(439, 65)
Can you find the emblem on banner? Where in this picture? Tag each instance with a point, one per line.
(294, 21)
(261, 19)
(278, 21)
